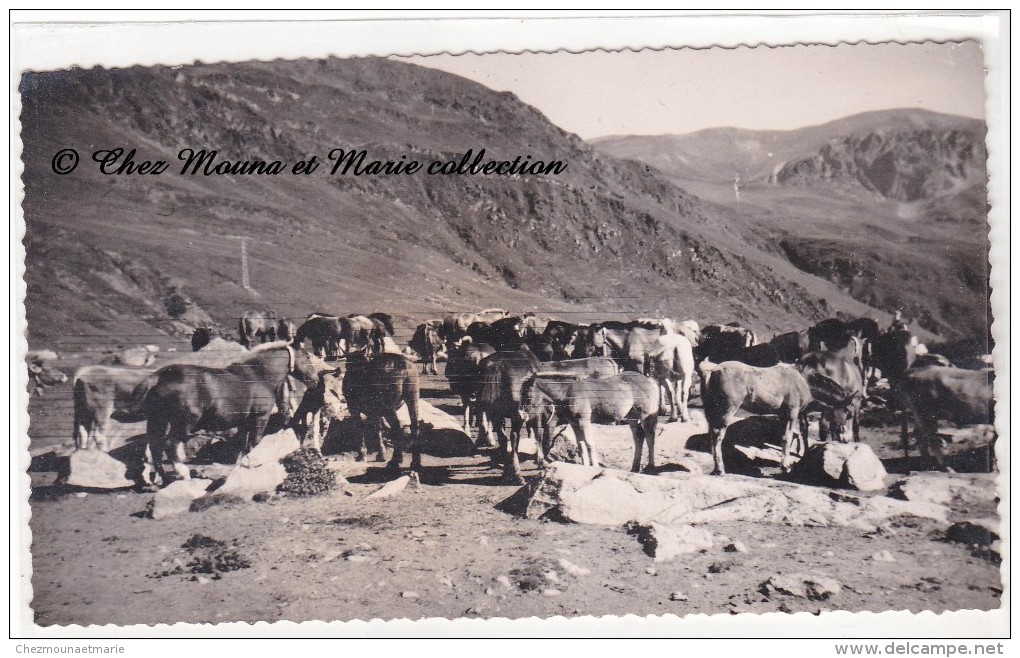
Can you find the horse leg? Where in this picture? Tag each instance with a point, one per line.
(466, 424)
(718, 435)
(152, 463)
(179, 433)
(670, 385)
(639, 442)
(582, 428)
(648, 426)
(397, 437)
(512, 470)
(539, 429)
(788, 438)
(685, 396)
(499, 454)
(381, 455)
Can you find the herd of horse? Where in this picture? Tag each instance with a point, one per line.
(533, 373)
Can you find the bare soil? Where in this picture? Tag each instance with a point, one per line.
(460, 548)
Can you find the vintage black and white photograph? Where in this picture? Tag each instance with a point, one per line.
(679, 331)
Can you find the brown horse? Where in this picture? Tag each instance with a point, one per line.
(502, 376)
(376, 388)
(628, 396)
(186, 398)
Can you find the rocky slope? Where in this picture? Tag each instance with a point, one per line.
(890, 206)
(604, 237)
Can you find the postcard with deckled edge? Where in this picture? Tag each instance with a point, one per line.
(493, 326)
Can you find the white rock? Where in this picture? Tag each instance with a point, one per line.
(572, 568)
(883, 556)
(678, 596)
(272, 449)
(586, 494)
(391, 488)
(96, 469)
(243, 483)
(852, 465)
(809, 586)
(664, 543)
(409, 595)
(945, 488)
(177, 497)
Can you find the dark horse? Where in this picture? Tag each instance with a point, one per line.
(502, 376)
(186, 398)
(377, 387)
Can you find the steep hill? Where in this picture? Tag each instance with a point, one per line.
(110, 257)
(890, 206)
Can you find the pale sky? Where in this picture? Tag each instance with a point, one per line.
(680, 91)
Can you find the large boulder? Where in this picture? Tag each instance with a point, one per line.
(849, 465)
(587, 494)
(261, 470)
(95, 469)
(272, 449)
(176, 498)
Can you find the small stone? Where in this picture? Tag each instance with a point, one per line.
(503, 580)
(551, 592)
(391, 488)
(202, 580)
(359, 559)
(444, 580)
(551, 576)
(81, 494)
(364, 546)
(735, 547)
(678, 596)
(883, 556)
(176, 498)
(810, 586)
(483, 540)
(409, 595)
(572, 568)
(651, 571)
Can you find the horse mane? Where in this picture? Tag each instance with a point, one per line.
(275, 345)
(552, 374)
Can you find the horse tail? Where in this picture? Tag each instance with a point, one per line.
(386, 319)
(242, 331)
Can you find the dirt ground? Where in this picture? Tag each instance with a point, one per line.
(459, 548)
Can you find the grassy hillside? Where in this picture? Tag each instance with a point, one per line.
(111, 257)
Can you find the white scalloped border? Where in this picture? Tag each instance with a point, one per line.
(89, 39)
